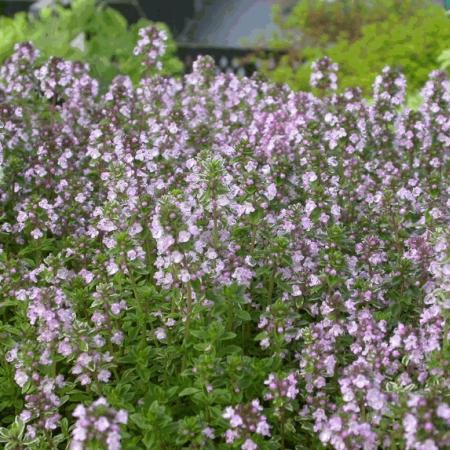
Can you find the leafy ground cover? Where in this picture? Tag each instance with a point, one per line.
(219, 262)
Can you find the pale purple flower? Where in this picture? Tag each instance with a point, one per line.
(271, 191)
(249, 445)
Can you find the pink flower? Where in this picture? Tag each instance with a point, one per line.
(104, 375)
(102, 424)
(21, 378)
(271, 191)
(249, 445)
(160, 334)
(208, 432)
(37, 233)
(112, 268)
(135, 229)
(184, 236)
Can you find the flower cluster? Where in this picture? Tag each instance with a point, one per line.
(97, 423)
(151, 44)
(244, 421)
(286, 387)
(324, 74)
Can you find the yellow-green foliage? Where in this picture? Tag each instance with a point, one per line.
(444, 59)
(107, 39)
(318, 23)
(412, 42)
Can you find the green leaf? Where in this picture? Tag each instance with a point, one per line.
(188, 391)
(243, 315)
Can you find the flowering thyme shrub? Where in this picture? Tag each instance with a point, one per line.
(217, 262)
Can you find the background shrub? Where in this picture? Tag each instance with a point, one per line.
(362, 37)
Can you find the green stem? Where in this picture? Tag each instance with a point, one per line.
(187, 323)
(271, 286)
(139, 309)
(229, 315)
